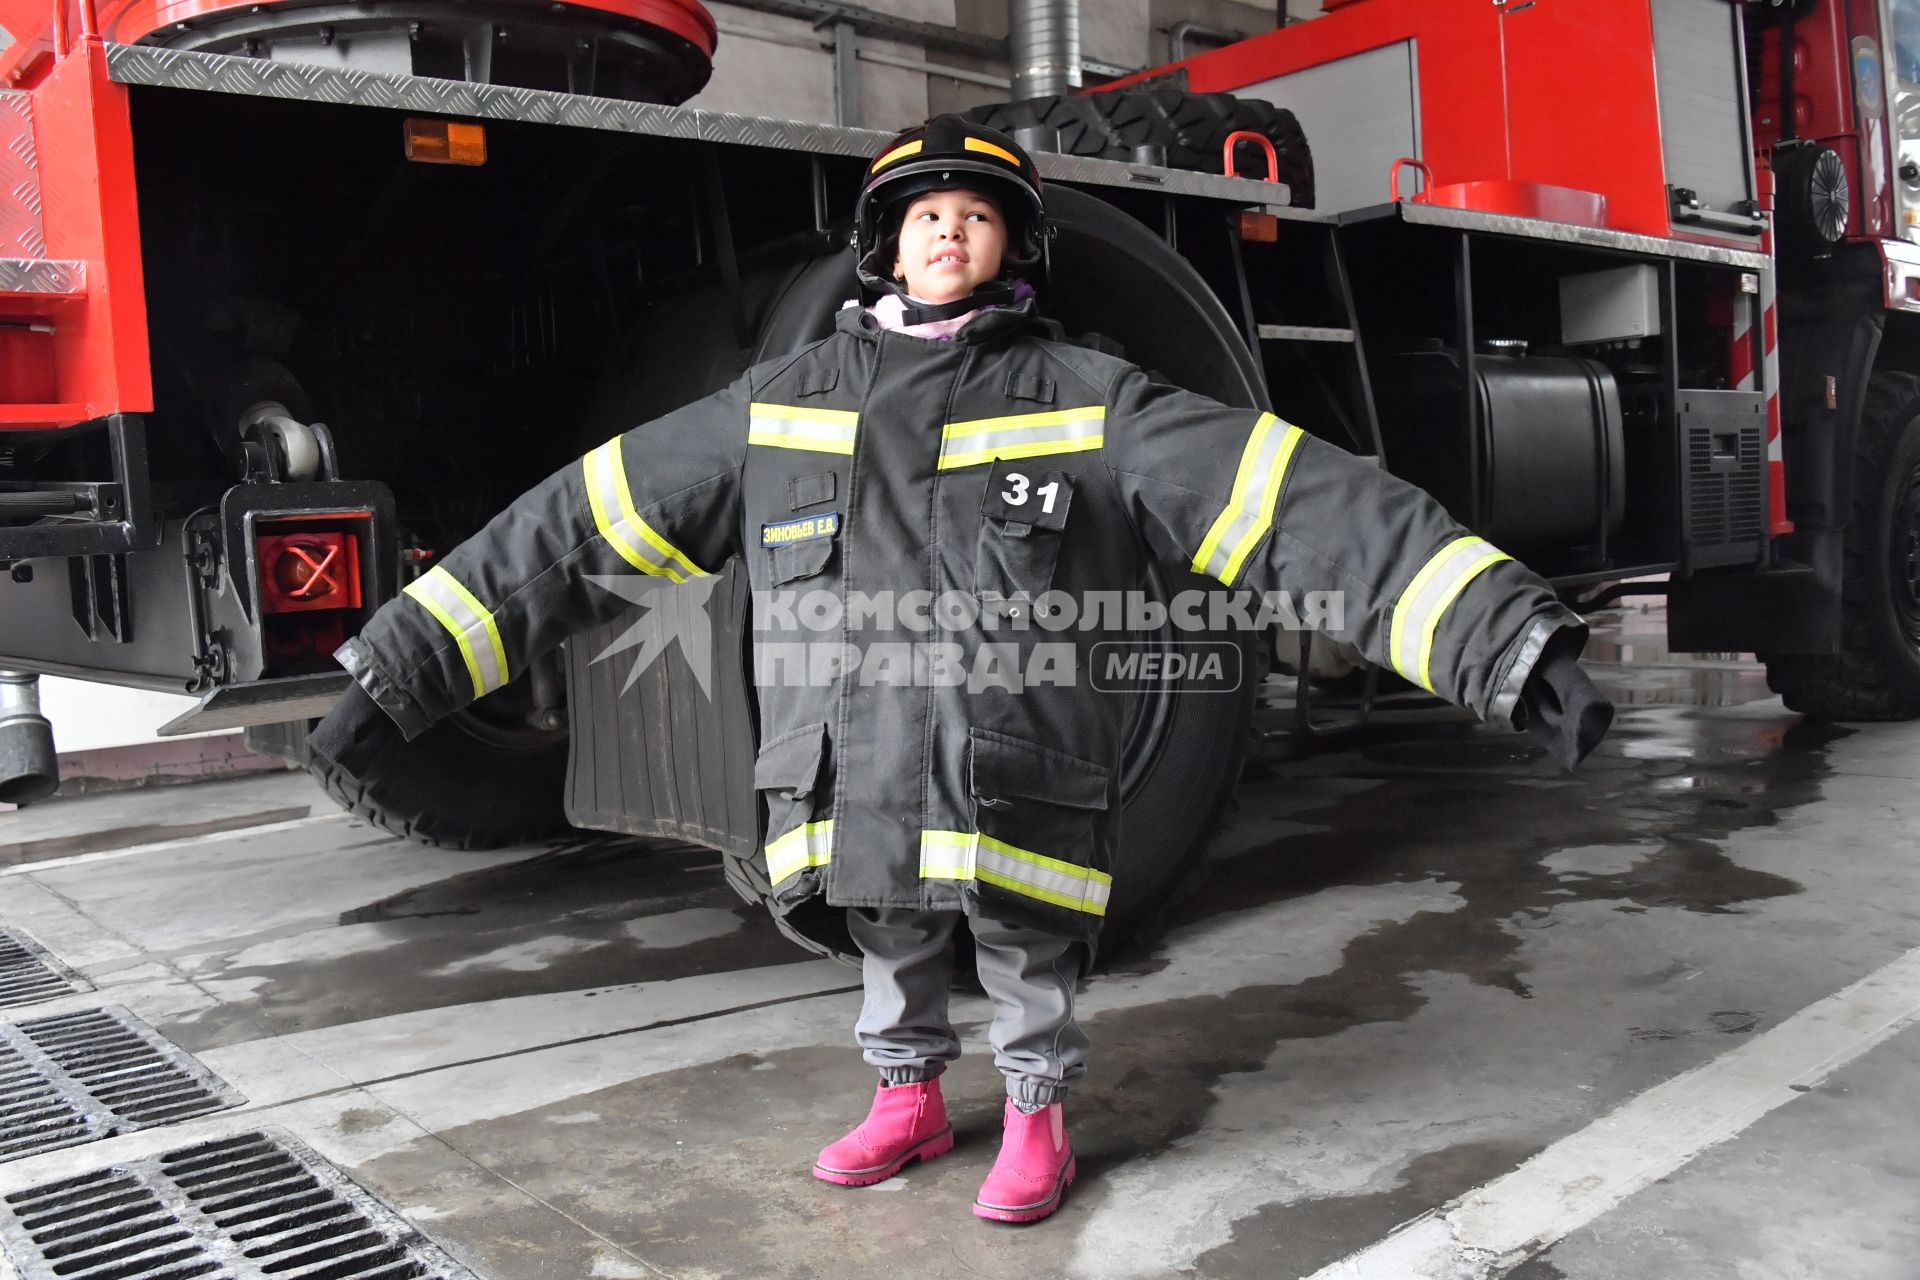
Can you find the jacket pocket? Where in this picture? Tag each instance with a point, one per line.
(1013, 565)
(810, 490)
(1040, 814)
(798, 560)
(787, 774)
(1022, 519)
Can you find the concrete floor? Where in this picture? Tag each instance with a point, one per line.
(1420, 961)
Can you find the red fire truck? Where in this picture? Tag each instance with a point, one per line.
(294, 296)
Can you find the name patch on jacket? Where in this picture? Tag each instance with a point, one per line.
(781, 532)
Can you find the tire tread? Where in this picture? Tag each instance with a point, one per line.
(1864, 680)
(1191, 126)
(440, 827)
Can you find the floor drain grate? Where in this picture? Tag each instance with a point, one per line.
(252, 1207)
(77, 1077)
(29, 975)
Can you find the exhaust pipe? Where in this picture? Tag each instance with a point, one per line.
(1044, 39)
(29, 770)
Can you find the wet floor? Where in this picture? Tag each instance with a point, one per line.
(1424, 957)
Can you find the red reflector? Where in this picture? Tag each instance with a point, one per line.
(300, 571)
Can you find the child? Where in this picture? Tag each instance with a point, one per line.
(945, 441)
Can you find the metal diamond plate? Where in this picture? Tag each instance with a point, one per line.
(1572, 233)
(20, 228)
(258, 77)
(42, 275)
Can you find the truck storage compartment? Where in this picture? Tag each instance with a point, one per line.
(1546, 466)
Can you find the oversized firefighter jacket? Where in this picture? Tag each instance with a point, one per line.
(991, 469)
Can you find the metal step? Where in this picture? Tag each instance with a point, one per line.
(1303, 333)
(275, 701)
(106, 515)
(47, 279)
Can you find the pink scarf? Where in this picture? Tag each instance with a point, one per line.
(891, 313)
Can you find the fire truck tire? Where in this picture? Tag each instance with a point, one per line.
(1191, 126)
(459, 785)
(1876, 673)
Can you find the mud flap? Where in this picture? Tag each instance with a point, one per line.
(655, 754)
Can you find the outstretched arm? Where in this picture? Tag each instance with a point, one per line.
(661, 500)
(1255, 502)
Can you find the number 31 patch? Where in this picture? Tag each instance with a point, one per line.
(1039, 498)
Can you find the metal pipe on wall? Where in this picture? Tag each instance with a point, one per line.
(846, 74)
(1182, 35)
(1044, 39)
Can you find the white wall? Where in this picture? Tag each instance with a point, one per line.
(786, 69)
(87, 717)
(781, 67)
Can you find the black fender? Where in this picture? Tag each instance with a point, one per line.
(1832, 319)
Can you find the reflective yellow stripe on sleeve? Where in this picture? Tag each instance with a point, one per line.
(613, 514)
(807, 845)
(790, 426)
(468, 622)
(1250, 506)
(1022, 435)
(1417, 614)
(968, 855)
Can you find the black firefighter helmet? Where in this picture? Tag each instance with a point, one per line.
(944, 154)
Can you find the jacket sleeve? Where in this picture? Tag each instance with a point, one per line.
(662, 500)
(1255, 502)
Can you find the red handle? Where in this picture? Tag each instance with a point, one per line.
(1266, 145)
(70, 30)
(1426, 179)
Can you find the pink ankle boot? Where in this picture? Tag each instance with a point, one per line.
(907, 1122)
(1034, 1169)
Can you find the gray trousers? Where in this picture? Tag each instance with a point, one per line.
(908, 967)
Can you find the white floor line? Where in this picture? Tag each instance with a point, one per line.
(1494, 1228)
(182, 842)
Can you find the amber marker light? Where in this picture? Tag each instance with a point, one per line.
(445, 141)
(1261, 227)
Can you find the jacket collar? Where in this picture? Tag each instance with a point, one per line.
(991, 327)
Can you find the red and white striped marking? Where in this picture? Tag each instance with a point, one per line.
(1742, 367)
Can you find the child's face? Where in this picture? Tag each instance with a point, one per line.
(951, 243)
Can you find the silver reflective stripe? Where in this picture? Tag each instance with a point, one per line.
(1417, 614)
(807, 845)
(1022, 435)
(468, 622)
(788, 426)
(967, 855)
(638, 543)
(1250, 506)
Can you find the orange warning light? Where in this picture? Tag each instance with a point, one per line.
(1260, 227)
(445, 141)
